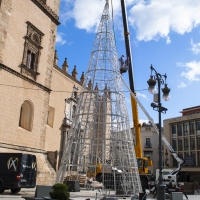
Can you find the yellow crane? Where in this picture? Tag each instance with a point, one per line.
(143, 162)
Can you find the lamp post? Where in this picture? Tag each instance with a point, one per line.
(166, 159)
(160, 80)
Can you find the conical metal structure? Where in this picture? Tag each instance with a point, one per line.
(100, 142)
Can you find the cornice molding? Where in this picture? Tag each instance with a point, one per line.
(21, 148)
(47, 10)
(8, 69)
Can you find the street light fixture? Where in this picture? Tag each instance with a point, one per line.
(160, 80)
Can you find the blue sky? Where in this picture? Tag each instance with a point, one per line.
(163, 33)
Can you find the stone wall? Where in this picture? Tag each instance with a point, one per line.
(17, 87)
(5, 12)
(43, 91)
(63, 82)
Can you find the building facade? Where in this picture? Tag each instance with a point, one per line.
(37, 98)
(150, 145)
(183, 133)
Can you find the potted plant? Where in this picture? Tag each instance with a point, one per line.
(60, 192)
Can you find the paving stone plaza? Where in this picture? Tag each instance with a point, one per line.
(82, 195)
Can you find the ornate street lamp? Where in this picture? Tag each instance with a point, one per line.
(156, 105)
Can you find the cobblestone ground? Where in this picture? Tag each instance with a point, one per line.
(82, 195)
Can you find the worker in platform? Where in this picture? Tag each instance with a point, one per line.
(123, 64)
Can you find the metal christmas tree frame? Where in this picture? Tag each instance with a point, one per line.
(100, 142)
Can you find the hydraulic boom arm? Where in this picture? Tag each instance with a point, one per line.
(179, 160)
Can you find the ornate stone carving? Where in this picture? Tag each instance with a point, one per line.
(47, 10)
(32, 49)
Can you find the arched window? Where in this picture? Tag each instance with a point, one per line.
(26, 115)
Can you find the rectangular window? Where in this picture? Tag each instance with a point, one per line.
(186, 154)
(173, 130)
(148, 154)
(148, 143)
(179, 129)
(185, 144)
(30, 59)
(194, 157)
(180, 147)
(185, 129)
(191, 128)
(192, 143)
(198, 143)
(174, 144)
(198, 126)
(198, 157)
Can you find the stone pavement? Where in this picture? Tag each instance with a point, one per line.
(82, 195)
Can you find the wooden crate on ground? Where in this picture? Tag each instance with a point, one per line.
(80, 177)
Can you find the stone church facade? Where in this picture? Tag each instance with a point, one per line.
(37, 97)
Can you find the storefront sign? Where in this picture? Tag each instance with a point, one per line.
(189, 161)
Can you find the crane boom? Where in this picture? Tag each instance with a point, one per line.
(127, 45)
(142, 162)
(138, 145)
(179, 160)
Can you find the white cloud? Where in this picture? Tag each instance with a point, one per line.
(87, 13)
(168, 40)
(195, 47)
(181, 85)
(192, 72)
(152, 19)
(155, 18)
(59, 38)
(66, 10)
(144, 121)
(141, 95)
